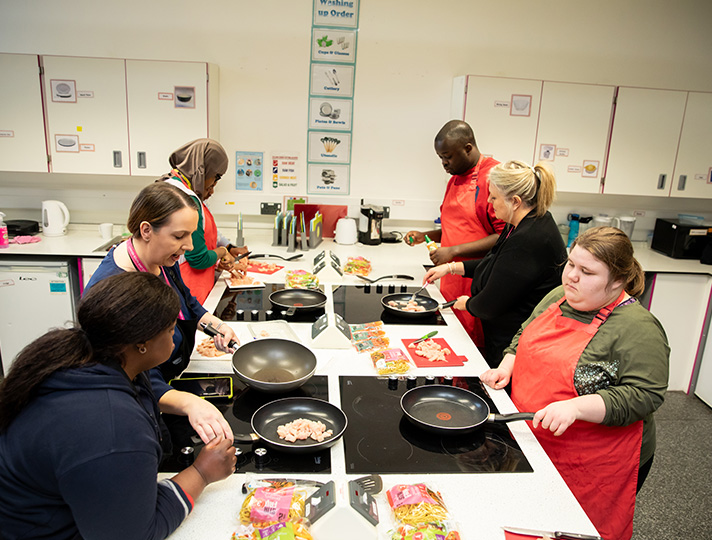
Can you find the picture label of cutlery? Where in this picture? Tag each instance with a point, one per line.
(332, 80)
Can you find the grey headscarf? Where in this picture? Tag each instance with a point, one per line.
(198, 160)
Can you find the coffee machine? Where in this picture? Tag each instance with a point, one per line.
(369, 224)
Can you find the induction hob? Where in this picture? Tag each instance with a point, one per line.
(252, 457)
(379, 439)
(356, 304)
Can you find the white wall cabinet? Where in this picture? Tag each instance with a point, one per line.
(103, 115)
(167, 107)
(85, 103)
(646, 132)
(22, 132)
(693, 168)
(679, 301)
(574, 124)
(503, 113)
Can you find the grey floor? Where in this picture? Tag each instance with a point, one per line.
(676, 500)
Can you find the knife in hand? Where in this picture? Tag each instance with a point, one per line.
(552, 534)
(212, 332)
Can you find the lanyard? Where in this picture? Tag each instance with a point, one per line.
(136, 260)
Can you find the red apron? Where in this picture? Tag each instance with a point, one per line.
(201, 282)
(464, 218)
(599, 463)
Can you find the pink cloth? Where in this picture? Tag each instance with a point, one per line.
(25, 239)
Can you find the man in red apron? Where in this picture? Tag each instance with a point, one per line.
(469, 227)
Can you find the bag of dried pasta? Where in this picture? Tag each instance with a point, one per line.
(390, 361)
(419, 512)
(274, 510)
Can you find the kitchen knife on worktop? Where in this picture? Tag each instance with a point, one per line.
(212, 332)
(552, 534)
(426, 336)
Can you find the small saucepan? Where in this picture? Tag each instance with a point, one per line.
(430, 304)
(298, 300)
(269, 417)
(450, 410)
(274, 365)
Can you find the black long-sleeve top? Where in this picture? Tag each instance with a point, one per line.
(522, 267)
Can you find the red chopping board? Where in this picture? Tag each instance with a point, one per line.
(263, 268)
(331, 214)
(451, 360)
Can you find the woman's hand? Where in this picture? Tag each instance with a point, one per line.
(413, 238)
(216, 460)
(207, 421)
(224, 265)
(222, 342)
(235, 251)
(435, 273)
(224, 255)
(500, 376)
(461, 303)
(559, 415)
(556, 417)
(496, 378)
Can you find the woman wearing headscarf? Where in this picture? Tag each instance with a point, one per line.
(196, 168)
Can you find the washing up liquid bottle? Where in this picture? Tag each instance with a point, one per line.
(4, 238)
(573, 228)
(432, 246)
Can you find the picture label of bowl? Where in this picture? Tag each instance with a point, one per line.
(185, 98)
(520, 103)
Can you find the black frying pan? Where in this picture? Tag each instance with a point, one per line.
(274, 365)
(450, 410)
(302, 300)
(276, 413)
(430, 304)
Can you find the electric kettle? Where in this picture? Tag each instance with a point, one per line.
(346, 232)
(55, 218)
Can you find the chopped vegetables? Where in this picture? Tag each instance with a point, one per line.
(301, 279)
(357, 266)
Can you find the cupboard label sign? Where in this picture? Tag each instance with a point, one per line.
(336, 13)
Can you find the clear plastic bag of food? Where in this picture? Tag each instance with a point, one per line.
(391, 362)
(357, 265)
(369, 326)
(301, 279)
(420, 512)
(275, 509)
(367, 334)
(372, 344)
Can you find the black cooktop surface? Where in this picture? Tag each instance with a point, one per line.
(357, 304)
(379, 439)
(254, 457)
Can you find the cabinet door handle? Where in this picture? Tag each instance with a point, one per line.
(681, 183)
(661, 181)
(141, 160)
(117, 159)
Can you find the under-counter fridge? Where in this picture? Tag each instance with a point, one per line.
(36, 294)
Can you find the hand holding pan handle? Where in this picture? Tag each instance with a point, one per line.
(447, 304)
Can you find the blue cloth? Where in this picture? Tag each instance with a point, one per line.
(189, 306)
(81, 459)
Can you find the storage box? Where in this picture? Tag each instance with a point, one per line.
(680, 240)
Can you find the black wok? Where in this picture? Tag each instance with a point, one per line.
(450, 410)
(273, 365)
(302, 300)
(276, 413)
(430, 304)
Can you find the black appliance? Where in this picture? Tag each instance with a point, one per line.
(252, 457)
(370, 221)
(357, 304)
(379, 439)
(22, 227)
(679, 239)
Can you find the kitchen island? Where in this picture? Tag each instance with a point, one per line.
(480, 502)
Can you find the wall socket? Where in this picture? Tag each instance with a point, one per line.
(270, 208)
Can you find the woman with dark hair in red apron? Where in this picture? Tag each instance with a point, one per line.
(593, 364)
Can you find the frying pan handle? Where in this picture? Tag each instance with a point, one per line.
(448, 304)
(511, 417)
(291, 311)
(245, 438)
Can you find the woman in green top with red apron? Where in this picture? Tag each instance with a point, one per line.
(593, 364)
(196, 168)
